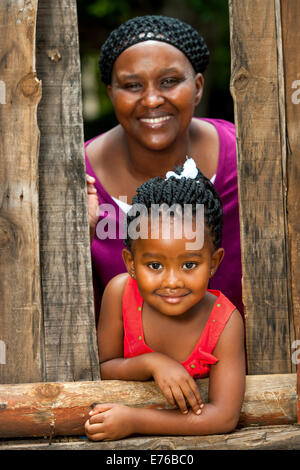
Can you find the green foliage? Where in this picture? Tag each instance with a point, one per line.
(115, 12)
(210, 10)
(102, 8)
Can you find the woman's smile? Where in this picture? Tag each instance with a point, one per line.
(155, 122)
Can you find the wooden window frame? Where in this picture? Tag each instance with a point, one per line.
(46, 285)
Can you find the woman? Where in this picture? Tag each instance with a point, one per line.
(153, 69)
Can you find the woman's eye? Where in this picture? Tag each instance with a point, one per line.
(155, 266)
(169, 82)
(189, 265)
(132, 86)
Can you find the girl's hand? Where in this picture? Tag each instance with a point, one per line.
(109, 422)
(176, 384)
(93, 204)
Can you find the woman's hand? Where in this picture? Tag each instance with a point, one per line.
(93, 204)
(109, 422)
(175, 383)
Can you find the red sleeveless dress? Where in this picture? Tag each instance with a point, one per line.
(199, 361)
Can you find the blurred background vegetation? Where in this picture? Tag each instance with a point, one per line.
(97, 18)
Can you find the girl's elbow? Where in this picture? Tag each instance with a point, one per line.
(228, 424)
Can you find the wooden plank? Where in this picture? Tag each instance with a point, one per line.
(62, 408)
(258, 438)
(20, 301)
(255, 87)
(290, 16)
(69, 323)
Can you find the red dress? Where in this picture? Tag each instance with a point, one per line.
(199, 361)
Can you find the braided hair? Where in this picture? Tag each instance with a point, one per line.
(156, 28)
(181, 191)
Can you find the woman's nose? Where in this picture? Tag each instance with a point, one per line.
(152, 97)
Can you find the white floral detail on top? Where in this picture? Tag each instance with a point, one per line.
(190, 170)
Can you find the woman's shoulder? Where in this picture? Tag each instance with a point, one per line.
(102, 145)
(217, 126)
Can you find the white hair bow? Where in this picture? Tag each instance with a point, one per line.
(189, 170)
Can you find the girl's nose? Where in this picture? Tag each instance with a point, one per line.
(152, 98)
(172, 280)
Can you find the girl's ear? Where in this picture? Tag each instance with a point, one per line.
(129, 262)
(216, 259)
(199, 83)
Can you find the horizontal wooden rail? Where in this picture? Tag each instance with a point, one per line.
(60, 409)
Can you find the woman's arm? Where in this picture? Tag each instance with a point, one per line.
(93, 203)
(219, 415)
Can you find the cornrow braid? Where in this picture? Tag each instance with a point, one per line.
(181, 191)
(156, 28)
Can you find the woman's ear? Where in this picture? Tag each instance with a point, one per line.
(199, 83)
(129, 262)
(109, 92)
(216, 259)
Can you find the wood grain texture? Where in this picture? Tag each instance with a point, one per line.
(255, 87)
(290, 17)
(69, 322)
(256, 438)
(62, 408)
(21, 332)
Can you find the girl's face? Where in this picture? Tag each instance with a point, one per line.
(154, 92)
(170, 278)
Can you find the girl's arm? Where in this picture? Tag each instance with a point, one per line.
(219, 415)
(171, 377)
(110, 336)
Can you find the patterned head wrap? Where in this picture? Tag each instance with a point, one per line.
(156, 28)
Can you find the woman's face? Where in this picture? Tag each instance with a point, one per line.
(154, 92)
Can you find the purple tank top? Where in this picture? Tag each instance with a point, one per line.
(107, 254)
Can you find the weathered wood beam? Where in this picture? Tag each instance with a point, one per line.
(49, 409)
(290, 15)
(279, 437)
(21, 335)
(70, 351)
(258, 93)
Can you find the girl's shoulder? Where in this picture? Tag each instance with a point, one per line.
(113, 294)
(232, 336)
(117, 284)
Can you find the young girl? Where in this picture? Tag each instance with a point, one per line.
(160, 321)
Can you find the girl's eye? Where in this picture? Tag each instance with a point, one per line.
(155, 266)
(189, 265)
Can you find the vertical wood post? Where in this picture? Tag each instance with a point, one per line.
(290, 15)
(21, 334)
(258, 92)
(69, 321)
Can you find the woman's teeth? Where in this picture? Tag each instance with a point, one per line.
(155, 120)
